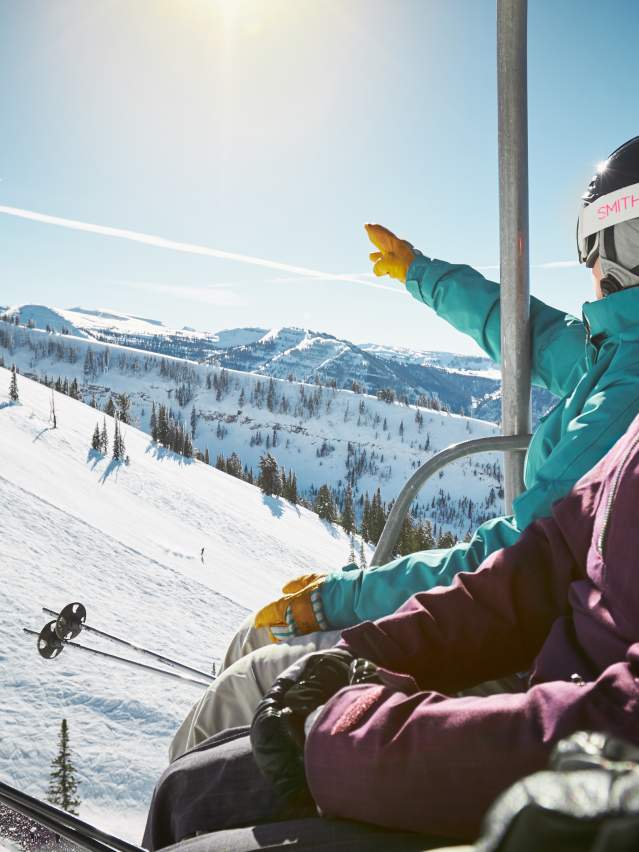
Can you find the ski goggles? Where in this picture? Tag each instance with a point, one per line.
(608, 210)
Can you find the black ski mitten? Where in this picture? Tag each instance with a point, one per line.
(277, 730)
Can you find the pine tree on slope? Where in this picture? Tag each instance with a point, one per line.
(269, 478)
(63, 786)
(104, 438)
(325, 505)
(96, 442)
(348, 515)
(14, 396)
(119, 450)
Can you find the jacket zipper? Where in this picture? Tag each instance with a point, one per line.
(601, 543)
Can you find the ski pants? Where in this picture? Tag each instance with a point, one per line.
(251, 666)
(217, 787)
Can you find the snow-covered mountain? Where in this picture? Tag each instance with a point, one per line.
(464, 384)
(126, 541)
(323, 434)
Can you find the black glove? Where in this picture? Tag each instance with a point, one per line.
(277, 731)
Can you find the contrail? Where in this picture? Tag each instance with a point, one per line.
(188, 248)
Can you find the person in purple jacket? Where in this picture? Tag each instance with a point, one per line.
(395, 726)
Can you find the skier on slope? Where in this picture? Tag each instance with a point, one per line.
(592, 364)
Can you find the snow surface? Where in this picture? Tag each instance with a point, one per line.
(124, 540)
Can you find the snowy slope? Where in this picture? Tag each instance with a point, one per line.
(324, 435)
(126, 542)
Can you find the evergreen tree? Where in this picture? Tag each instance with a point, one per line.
(95, 440)
(446, 539)
(52, 415)
(362, 556)
(269, 478)
(124, 406)
(104, 437)
(14, 396)
(118, 442)
(163, 426)
(352, 559)
(270, 397)
(325, 505)
(153, 424)
(74, 390)
(291, 487)
(193, 422)
(366, 519)
(187, 448)
(63, 786)
(109, 407)
(207, 459)
(348, 515)
(234, 466)
(377, 517)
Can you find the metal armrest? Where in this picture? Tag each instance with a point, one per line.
(392, 528)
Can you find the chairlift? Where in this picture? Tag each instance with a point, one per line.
(516, 425)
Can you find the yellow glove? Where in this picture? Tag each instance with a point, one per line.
(298, 612)
(394, 255)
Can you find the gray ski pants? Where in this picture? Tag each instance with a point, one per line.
(250, 667)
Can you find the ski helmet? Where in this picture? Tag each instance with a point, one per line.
(608, 225)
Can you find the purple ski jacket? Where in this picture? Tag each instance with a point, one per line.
(562, 603)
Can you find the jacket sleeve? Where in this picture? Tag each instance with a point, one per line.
(429, 763)
(469, 302)
(349, 597)
(487, 625)
(605, 416)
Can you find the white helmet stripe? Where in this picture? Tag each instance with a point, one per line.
(611, 209)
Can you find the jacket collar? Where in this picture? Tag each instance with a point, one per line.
(615, 314)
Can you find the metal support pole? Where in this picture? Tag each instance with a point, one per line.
(513, 233)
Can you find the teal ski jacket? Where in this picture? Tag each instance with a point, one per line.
(592, 364)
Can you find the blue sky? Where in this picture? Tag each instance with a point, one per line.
(275, 129)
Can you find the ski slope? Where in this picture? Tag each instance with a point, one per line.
(126, 541)
(325, 435)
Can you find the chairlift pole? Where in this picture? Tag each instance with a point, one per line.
(513, 233)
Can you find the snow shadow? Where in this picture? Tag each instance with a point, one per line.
(7, 404)
(274, 505)
(40, 434)
(162, 453)
(94, 457)
(330, 528)
(112, 467)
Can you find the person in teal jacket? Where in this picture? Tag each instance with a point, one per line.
(592, 364)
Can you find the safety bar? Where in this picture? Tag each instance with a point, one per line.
(393, 526)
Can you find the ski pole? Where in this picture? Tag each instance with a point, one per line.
(51, 646)
(71, 621)
(60, 822)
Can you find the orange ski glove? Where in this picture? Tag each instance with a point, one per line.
(394, 255)
(298, 611)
